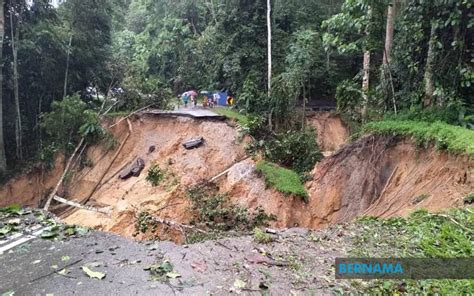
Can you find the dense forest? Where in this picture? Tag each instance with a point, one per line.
(62, 67)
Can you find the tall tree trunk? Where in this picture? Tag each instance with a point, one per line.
(67, 67)
(365, 83)
(269, 46)
(389, 34)
(3, 161)
(303, 122)
(18, 128)
(428, 77)
(269, 57)
(386, 73)
(366, 77)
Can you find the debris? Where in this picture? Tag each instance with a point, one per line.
(173, 275)
(15, 221)
(66, 170)
(77, 205)
(200, 266)
(63, 272)
(239, 284)
(134, 170)
(93, 274)
(151, 149)
(193, 143)
(36, 261)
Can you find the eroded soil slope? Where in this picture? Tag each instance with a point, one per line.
(332, 132)
(379, 176)
(375, 175)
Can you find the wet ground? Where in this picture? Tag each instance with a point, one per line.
(293, 263)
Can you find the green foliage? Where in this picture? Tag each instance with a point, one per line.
(240, 118)
(444, 235)
(449, 114)
(294, 149)
(286, 181)
(469, 199)
(216, 212)
(69, 121)
(349, 98)
(161, 271)
(155, 175)
(262, 237)
(445, 137)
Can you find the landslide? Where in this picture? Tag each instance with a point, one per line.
(331, 131)
(375, 175)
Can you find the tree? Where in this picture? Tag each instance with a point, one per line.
(3, 162)
(430, 60)
(269, 46)
(15, 33)
(389, 33)
(355, 29)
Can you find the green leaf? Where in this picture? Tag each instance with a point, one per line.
(63, 272)
(8, 293)
(239, 284)
(173, 275)
(49, 234)
(93, 274)
(5, 230)
(65, 258)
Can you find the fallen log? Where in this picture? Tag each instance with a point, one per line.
(226, 171)
(79, 206)
(66, 169)
(130, 130)
(126, 117)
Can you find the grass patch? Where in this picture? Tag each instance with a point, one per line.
(448, 137)
(284, 180)
(422, 234)
(262, 237)
(241, 119)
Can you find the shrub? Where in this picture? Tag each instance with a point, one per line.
(261, 236)
(283, 180)
(294, 149)
(215, 211)
(469, 199)
(455, 139)
(69, 121)
(155, 175)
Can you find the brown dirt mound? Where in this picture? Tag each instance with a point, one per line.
(378, 176)
(332, 132)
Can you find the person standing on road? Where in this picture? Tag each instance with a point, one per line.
(185, 99)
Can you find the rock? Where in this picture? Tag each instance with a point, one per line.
(133, 170)
(193, 143)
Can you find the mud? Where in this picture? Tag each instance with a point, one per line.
(332, 132)
(375, 175)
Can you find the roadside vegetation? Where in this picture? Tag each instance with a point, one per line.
(422, 234)
(233, 114)
(283, 180)
(444, 136)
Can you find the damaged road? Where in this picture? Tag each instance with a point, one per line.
(107, 264)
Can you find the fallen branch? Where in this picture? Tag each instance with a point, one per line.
(130, 130)
(82, 207)
(177, 225)
(227, 170)
(126, 117)
(56, 271)
(66, 169)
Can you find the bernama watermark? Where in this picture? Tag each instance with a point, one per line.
(404, 268)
